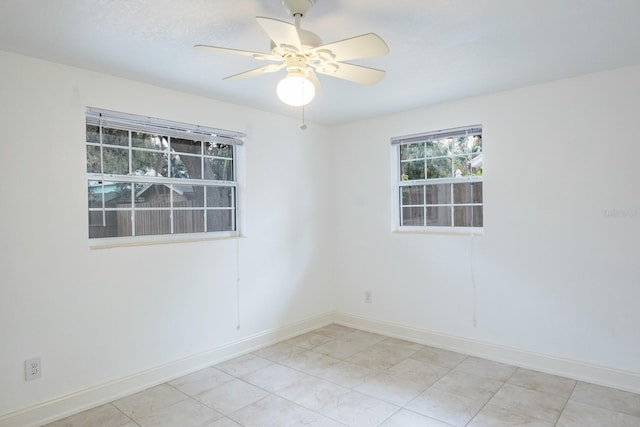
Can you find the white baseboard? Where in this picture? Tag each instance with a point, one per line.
(73, 403)
(602, 375)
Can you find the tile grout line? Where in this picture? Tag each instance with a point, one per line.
(492, 396)
(573, 389)
(351, 389)
(273, 393)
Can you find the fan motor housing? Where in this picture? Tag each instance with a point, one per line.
(307, 38)
(298, 7)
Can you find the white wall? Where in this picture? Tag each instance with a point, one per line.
(554, 274)
(96, 316)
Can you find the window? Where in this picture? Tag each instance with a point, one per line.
(439, 178)
(150, 177)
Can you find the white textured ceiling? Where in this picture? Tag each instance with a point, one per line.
(439, 49)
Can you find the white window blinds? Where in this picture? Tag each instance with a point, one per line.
(152, 125)
(431, 136)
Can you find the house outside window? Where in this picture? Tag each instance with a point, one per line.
(152, 177)
(438, 178)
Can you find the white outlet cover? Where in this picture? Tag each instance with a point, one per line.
(32, 369)
(367, 297)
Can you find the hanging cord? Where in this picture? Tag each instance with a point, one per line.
(473, 284)
(237, 276)
(303, 126)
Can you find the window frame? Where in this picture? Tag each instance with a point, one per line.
(397, 184)
(171, 130)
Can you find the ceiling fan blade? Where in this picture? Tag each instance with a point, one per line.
(363, 46)
(271, 68)
(354, 73)
(255, 55)
(314, 79)
(280, 32)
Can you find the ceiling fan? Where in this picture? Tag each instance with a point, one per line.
(303, 55)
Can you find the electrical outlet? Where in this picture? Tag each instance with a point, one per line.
(367, 297)
(32, 369)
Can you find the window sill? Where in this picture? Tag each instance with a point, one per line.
(453, 231)
(116, 242)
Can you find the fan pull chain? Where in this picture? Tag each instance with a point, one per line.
(303, 126)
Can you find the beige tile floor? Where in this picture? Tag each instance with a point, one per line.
(337, 376)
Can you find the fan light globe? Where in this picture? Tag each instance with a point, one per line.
(295, 90)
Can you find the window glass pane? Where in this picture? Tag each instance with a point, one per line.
(439, 147)
(468, 216)
(188, 221)
(412, 151)
(150, 163)
(439, 216)
(152, 222)
(438, 194)
(116, 160)
(413, 216)
(468, 165)
(218, 150)
(478, 216)
(460, 145)
(467, 145)
(93, 159)
(138, 189)
(475, 146)
(94, 192)
(413, 195)
(188, 164)
(186, 146)
(93, 133)
(469, 192)
(147, 140)
(153, 196)
(218, 197)
(95, 220)
(186, 167)
(219, 169)
(117, 194)
(412, 170)
(186, 195)
(439, 168)
(122, 222)
(220, 220)
(115, 137)
(98, 228)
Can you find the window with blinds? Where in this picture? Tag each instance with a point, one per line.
(149, 176)
(439, 178)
